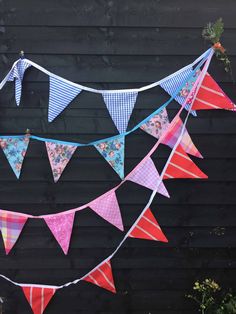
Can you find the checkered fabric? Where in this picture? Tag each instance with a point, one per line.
(17, 74)
(11, 226)
(120, 107)
(60, 95)
(147, 175)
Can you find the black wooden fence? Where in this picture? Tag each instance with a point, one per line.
(116, 44)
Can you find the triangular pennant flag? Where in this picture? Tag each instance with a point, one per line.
(38, 297)
(15, 149)
(120, 107)
(172, 135)
(102, 277)
(177, 80)
(147, 175)
(148, 228)
(211, 96)
(59, 155)
(17, 74)
(61, 227)
(108, 208)
(114, 152)
(181, 166)
(157, 124)
(61, 94)
(11, 225)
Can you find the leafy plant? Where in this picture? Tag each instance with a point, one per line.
(209, 299)
(213, 32)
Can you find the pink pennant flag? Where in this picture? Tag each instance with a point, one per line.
(61, 227)
(147, 175)
(108, 208)
(148, 228)
(102, 277)
(38, 297)
(11, 226)
(186, 142)
(59, 155)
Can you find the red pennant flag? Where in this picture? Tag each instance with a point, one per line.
(181, 166)
(102, 277)
(211, 96)
(38, 297)
(148, 228)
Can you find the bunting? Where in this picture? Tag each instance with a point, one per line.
(114, 153)
(181, 166)
(61, 227)
(120, 107)
(108, 208)
(59, 155)
(171, 136)
(15, 149)
(102, 277)
(11, 226)
(38, 297)
(17, 74)
(176, 81)
(61, 93)
(211, 96)
(147, 175)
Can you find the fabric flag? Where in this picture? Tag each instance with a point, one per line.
(102, 277)
(61, 227)
(108, 208)
(61, 94)
(148, 228)
(181, 166)
(38, 297)
(147, 175)
(120, 107)
(59, 155)
(186, 142)
(157, 125)
(211, 96)
(11, 226)
(17, 74)
(15, 150)
(114, 153)
(174, 83)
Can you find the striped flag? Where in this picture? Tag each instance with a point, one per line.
(181, 166)
(11, 226)
(114, 153)
(61, 227)
(17, 74)
(102, 277)
(148, 228)
(147, 175)
(61, 94)
(172, 135)
(120, 107)
(108, 208)
(59, 155)
(211, 96)
(174, 83)
(38, 297)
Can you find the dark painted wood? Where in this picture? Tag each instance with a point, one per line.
(108, 45)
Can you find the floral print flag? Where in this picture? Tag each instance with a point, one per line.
(15, 149)
(59, 156)
(114, 152)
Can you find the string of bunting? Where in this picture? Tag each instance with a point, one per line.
(145, 227)
(112, 149)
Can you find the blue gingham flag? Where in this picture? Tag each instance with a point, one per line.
(17, 74)
(60, 95)
(174, 83)
(120, 107)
